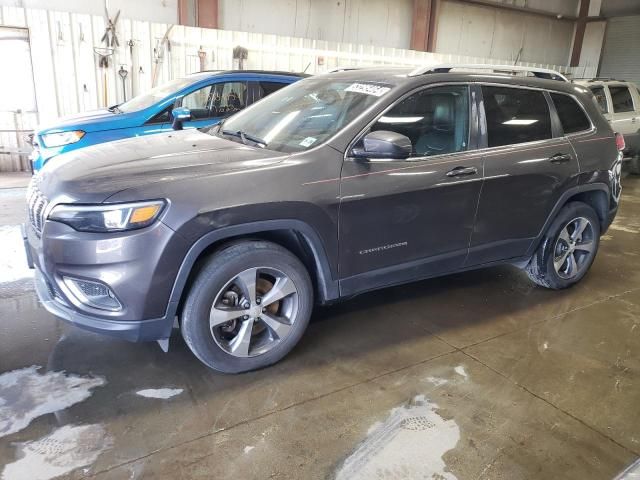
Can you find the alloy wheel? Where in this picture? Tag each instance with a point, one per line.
(574, 248)
(254, 312)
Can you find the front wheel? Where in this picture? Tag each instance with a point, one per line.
(248, 307)
(567, 249)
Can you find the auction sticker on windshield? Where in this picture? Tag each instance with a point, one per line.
(368, 89)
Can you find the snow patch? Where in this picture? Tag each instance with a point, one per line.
(13, 259)
(461, 371)
(410, 443)
(26, 395)
(66, 449)
(161, 393)
(438, 382)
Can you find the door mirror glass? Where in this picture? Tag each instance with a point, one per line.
(383, 144)
(180, 115)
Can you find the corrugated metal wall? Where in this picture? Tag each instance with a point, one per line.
(621, 51)
(68, 79)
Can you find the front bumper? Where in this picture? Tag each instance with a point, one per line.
(139, 267)
(134, 331)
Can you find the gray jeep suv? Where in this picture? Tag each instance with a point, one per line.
(338, 184)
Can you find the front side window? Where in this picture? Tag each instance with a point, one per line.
(436, 120)
(303, 115)
(621, 99)
(572, 117)
(515, 115)
(601, 98)
(199, 102)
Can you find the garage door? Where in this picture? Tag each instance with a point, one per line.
(620, 52)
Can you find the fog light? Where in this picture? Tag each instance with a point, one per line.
(93, 294)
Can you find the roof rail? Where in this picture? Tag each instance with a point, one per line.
(445, 68)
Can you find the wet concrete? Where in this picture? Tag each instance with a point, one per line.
(479, 375)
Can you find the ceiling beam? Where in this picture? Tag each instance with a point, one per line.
(516, 8)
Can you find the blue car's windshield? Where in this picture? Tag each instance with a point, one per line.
(154, 95)
(302, 115)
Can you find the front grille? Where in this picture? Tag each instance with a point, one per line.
(37, 204)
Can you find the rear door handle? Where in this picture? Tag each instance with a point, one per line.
(461, 171)
(560, 158)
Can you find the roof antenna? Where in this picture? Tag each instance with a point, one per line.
(305, 68)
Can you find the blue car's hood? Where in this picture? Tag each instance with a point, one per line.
(92, 121)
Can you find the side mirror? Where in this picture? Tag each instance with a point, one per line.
(385, 145)
(180, 114)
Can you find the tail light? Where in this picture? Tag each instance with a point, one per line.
(620, 145)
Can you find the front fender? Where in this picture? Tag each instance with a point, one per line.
(327, 283)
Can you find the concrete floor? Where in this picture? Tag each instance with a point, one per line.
(479, 375)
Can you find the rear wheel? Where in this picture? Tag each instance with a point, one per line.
(248, 307)
(567, 249)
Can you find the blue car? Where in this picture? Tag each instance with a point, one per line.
(209, 96)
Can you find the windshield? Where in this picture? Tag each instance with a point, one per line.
(154, 95)
(302, 115)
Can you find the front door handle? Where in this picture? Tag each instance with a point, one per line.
(560, 158)
(461, 171)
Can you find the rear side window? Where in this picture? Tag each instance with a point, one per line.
(515, 115)
(268, 88)
(621, 99)
(572, 117)
(601, 98)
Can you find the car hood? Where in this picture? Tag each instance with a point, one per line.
(92, 121)
(93, 174)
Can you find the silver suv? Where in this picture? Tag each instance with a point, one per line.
(620, 104)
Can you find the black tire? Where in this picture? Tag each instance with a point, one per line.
(219, 270)
(541, 268)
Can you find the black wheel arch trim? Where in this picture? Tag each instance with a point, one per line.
(589, 187)
(327, 285)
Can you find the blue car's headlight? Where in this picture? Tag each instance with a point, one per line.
(62, 138)
(108, 218)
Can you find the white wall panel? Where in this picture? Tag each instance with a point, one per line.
(149, 10)
(370, 22)
(469, 29)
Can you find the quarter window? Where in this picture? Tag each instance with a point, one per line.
(572, 117)
(515, 115)
(601, 98)
(621, 99)
(436, 120)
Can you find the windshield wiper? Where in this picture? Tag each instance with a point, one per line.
(245, 136)
(114, 109)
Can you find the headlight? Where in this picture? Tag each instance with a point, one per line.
(108, 218)
(62, 138)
